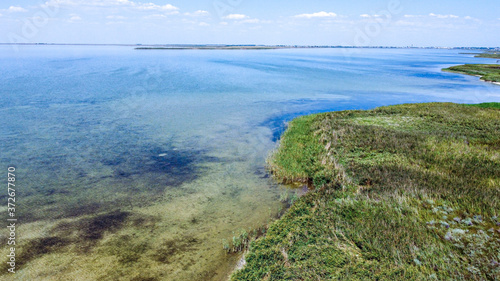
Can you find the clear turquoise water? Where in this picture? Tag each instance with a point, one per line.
(178, 139)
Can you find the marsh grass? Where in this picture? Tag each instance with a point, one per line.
(491, 55)
(241, 239)
(487, 105)
(407, 192)
(487, 72)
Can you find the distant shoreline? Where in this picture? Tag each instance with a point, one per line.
(213, 48)
(246, 46)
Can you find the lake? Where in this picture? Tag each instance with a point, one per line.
(137, 164)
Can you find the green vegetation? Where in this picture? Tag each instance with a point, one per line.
(487, 72)
(407, 192)
(487, 105)
(491, 55)
(241, 240)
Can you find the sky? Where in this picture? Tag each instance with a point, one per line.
(443, 23)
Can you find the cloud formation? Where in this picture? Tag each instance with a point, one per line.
(115, 17)
(75, 17)
(114, 3)
(437, 16)
(199, 13)
(236, 17)
(250, 21)
(154, 7)
(443, 16)
(132, 18)
(16, 9)
(321, 14)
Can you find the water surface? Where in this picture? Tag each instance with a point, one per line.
(136, 164)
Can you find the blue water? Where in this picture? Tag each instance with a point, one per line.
(182, 135)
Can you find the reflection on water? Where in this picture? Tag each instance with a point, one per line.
(136, 165)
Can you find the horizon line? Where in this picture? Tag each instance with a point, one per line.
(258, 45)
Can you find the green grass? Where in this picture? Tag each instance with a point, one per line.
(487, 105)
(491, 55)
(487, 72)
(407, 192)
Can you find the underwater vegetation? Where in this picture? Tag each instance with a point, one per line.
(405, 192)
(113, 177)
(242, 238)
(154, 214)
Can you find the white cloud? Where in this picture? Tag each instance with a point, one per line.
(155, 16)
(16, 9)
(471, 18)
(235, 17)
(75, 18)
(250, 21)
(443, 16)
(114, 3)
(241, 19)
(203, 24)
(198, 13)
(437, 16)
(438, 21)
(223, 23)
(376, 17)
(99, 3)
(114, 17)
(317, 15)
(154, 7)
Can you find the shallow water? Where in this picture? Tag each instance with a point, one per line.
(136, 164)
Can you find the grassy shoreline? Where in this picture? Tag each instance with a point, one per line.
(486, 72)
(490, 55)
(407, 192)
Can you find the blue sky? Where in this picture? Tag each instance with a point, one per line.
(315, 22)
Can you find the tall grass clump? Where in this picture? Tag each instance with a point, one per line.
(241, 240)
